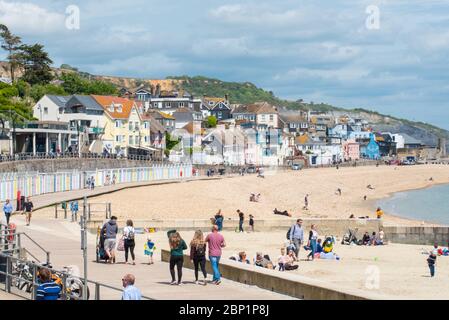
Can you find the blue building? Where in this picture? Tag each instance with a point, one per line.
(372, 149)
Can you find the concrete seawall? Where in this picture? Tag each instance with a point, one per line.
(335, 227)
(281, 282)
(418, 235)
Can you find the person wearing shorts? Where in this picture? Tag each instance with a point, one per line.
(110, 230)
(28, 209)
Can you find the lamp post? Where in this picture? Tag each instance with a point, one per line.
(83, 224)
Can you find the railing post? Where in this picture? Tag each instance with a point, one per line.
(64, 286)
(97, 291)
(47, 253)
(110, 210)
(33, 288)
(8, 272)
(65, 210)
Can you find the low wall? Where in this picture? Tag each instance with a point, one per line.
(70, 164)
(281, 282)
(418, 235)
(336, 227)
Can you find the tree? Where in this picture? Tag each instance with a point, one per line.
(211, 122)
(11, 44)
(36, 64)
(73, 83)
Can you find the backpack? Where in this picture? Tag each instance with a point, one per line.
(200, 251)
(288, 232)
(131, 234)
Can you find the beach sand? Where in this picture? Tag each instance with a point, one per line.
(284, 190)
(401, 269)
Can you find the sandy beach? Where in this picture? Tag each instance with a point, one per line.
(284, 190)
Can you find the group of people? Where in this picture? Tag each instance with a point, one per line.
(212, 243)
(373, 239)
(27, 209)
(90, 183)
(219, 218)
(108, 235)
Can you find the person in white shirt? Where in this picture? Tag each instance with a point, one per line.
(129, 235)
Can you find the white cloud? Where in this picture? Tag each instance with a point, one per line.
(30, 19)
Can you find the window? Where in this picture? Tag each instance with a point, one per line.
(131, 140)
(146, 139)
(118, 123)
(130, 126)
(168, 104)
(118, 138)
(145, 124)
(263, 117)
(45, 110)
(271, 117)
(181, 104)
(111, 108)
(220, 115)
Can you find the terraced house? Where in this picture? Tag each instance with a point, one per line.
(125, 130)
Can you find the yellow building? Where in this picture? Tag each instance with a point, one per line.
(125, 130)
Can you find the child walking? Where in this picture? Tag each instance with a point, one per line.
(251, 222)
(149, 248)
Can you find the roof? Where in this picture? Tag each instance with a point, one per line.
(256, 108)
(289, 118)
(60, 101)
(409, 139)
(107, 101)
(87, 101)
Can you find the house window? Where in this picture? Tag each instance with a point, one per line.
(131, 140)
(130, 126)
(263, 117)
(145, 124)
(168, 104)
(111, 108)
(146, 139)
(220, 115)
(271, 117)
(181, 104)
(118, 123)
(45, 110)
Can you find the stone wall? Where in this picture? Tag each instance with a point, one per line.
(418, 235)
(54, 165)
(281, 282)
(335, 227)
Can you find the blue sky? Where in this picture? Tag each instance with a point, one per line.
(318, 51)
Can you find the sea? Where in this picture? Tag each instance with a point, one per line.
(430, 204)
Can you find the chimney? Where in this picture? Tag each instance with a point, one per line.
(226, 98)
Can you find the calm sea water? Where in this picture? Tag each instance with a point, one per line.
(431, 204)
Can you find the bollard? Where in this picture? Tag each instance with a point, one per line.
(97, 291)
(56, 211)
(65, 211)
(34, 287)
(8, 277)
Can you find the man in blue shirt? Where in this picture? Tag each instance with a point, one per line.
(48, 290)
(130, 292)
(7, 209)
(297, 235)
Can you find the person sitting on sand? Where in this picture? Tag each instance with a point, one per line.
(263, 261)
(290, 261)
(370, 187)
(380, 239)
(372, 239)
(254, 198)
(338, 192)
(366, 239)
(351, 216)
(242, 257)
(431, 179)
(364, 197)
(282, 213)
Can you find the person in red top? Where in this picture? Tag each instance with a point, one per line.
(215, 241)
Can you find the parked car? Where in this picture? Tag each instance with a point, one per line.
(296, 166)
(251, 169)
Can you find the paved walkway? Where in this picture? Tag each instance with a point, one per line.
(62, 239)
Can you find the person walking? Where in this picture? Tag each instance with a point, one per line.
(7, 210)
(130, 292)
(379, 213)
(198, 255)
(110, 230)
(219, 220)
(129, 237)
(431, 261)
(215, 243)
(296, 235)
(306, 202)
(251, 222)
(74, 209)
(177, 246)
(241, 220)
(313, 237)
(28, 210)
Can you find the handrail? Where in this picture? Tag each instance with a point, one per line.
(65, 275)
(47, 253)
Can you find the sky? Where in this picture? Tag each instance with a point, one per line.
(389, 56)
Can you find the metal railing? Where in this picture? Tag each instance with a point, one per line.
(92, 208)
(11, 278)
(12, 241)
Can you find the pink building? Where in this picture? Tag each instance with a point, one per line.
(351, 150)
